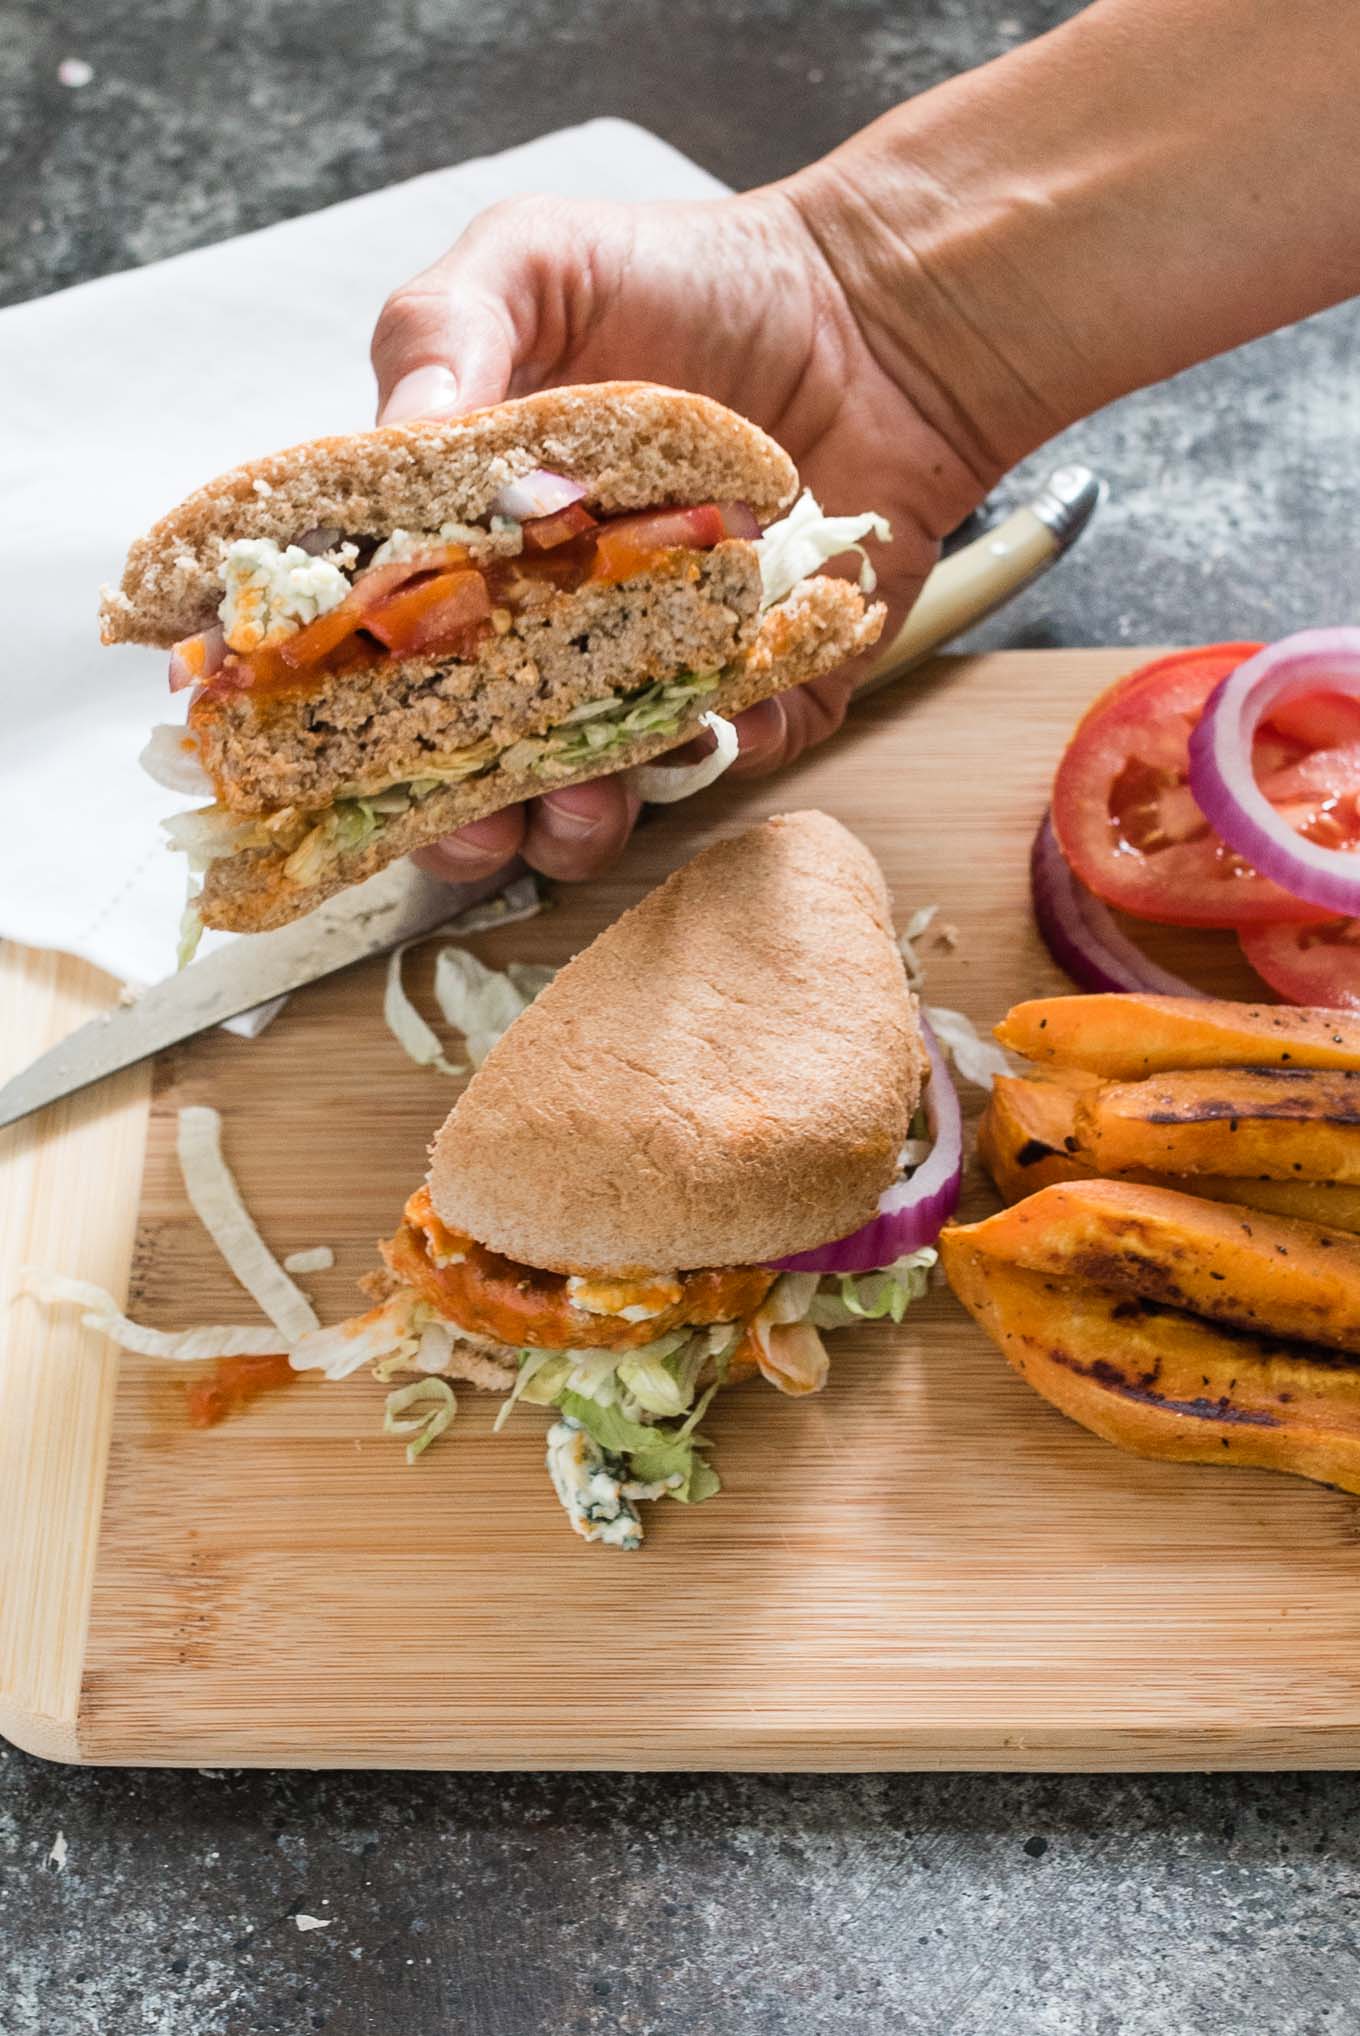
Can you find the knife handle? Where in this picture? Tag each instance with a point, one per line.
(985, 574)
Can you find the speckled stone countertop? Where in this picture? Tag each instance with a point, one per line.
(718, 1906)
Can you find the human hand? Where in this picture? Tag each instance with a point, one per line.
(734, 298)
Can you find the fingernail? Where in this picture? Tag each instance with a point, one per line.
(425, 392)
(561, 818)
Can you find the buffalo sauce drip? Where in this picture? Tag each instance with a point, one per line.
(478, 1289)
(234, 1383)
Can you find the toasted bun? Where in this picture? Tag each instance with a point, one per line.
(631, 444)
(820, 625)
(724, 1077)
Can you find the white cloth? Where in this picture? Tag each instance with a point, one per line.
(117, 398)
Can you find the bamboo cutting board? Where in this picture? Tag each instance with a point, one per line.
(923, 1567)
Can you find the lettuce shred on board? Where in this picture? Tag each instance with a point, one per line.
(216, 1199)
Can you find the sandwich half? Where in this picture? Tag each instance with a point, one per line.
(727, 1077)
(387, 635)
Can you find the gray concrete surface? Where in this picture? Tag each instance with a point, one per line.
(678, 1906)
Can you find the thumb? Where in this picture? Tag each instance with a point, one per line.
(451, 338)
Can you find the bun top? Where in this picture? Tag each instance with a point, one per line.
(724, 1077)
(632, 445)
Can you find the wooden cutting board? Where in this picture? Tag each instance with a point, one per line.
(923, 1567)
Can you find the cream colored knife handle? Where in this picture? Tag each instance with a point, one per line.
(983, 575)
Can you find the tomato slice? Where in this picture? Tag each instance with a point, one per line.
(1128, 823)
(430, 614)
(1322, 721)
(627, 545)
(1308, 964)
(544, 533)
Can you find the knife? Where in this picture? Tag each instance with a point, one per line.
(400, 902)
(981, 577)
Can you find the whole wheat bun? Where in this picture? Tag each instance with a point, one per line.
(724, 1077)
(821, 624)
(632, 445)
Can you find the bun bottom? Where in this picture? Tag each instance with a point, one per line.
(821, 624)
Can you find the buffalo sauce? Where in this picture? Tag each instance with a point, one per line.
(234, 1383)
(480, 1290)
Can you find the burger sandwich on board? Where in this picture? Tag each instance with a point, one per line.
(718, 1131)
(387, 635)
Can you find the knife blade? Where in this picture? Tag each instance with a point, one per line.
(400, 902)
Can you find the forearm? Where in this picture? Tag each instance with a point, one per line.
(1151, 183)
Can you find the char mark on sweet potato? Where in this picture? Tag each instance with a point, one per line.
(1201, 1408)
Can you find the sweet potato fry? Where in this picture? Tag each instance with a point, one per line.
(1161, 1383)
(1027, 1136)
(1127, 1037)
(1023, 1141)
(1263, 1274)
(1275, 1123)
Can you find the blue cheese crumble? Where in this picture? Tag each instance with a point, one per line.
(596, 1492)
(503, 538)
(272, 592)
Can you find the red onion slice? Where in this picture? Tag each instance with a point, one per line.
(323, 538)
(1313, 661)
(739, 519)
(537, 494)
(1080, 932)
(910, 1213)
(197, 658)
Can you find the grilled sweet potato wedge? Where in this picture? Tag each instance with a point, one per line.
(1279, 1123)
(1125, 1038)
(1027, 1137)
(1162, 1383)
(1027, 1140)
(1263, 1274)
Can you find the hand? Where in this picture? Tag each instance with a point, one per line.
(733, 298)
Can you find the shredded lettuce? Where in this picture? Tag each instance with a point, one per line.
(531, 1362)
(800, 544)
(480, 1002)
(658, 1383)
(483, 1003)
(216, 1200)
(843, 1298)
(190, 929)
(543, 1377)
(316, 1258)
(653, 1454)
(911, 933)
(185, 1346)
(312, 840)
(391, 1330)
(978, 1060)
(436, 1406)
(662, 784)
(584, 736)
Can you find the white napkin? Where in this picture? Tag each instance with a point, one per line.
(116, 399)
